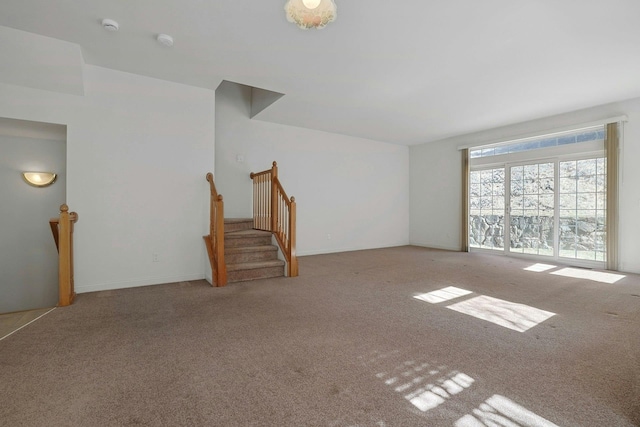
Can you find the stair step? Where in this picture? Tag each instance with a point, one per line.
(254, 270)
(237, 224)
(242, 254)
(247, 238)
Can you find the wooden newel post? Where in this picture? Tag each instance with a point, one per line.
(214, 242)
(65, 257)
(221, 267)
(293, 259)
(274, 197)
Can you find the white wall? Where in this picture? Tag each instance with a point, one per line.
(29, 261)
(439, 165)
(354, 189)
(436, 201)
(25, 55)
(138, 150)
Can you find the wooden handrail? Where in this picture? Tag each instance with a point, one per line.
(274, 211)
(62, 229)
(214, 242)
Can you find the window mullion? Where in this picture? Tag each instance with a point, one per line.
(556, 209)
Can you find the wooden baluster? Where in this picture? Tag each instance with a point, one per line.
(263, 202)
(260, 207)
(286, 225)
(266, 217)
(258, 190)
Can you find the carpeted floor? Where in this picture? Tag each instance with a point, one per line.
(347, 343)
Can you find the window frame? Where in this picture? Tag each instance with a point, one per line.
(555, 154)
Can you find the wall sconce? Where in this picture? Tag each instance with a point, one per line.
(39, 179)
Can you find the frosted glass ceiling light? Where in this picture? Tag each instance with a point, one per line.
(310, 13)
(311, 4)
(39, 179)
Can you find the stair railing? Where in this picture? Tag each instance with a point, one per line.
(274, 211)
(62, 229)
(215, 240)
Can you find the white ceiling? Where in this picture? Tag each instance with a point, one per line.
(405, 72)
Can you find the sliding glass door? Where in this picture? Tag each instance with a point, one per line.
(532, 208)
(487, 206)
(583, 209)
(554, 208)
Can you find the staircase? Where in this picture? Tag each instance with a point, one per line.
(248, 253)
(240, 249)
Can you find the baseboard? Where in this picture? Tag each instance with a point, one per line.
(432, 246)
(347, 249)
(139, 282)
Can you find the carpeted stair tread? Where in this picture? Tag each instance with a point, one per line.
(246, 233)
(234, 220)
(232, 225)
(254, 265)
(261, 248)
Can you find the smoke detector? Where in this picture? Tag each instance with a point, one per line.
(165, 39)
(110, 25)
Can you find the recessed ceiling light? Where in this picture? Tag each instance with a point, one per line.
(165, 39)
(110, 25)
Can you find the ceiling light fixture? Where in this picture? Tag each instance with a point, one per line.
(165, 39)
(308, 14)
(39, 179)
(110, 25)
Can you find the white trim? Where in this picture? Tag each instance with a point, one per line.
(139, 282)
(545, 133)
(438, 247)
(27, 324)
(348, 249)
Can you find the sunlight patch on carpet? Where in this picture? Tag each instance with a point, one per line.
(597, 276)
(441, 295)
(539, 268)
(519, 317)
(500, 411)
(433, 395)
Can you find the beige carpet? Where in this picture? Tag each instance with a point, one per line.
(390, 337)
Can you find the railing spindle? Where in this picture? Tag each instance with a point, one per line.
(273, 211)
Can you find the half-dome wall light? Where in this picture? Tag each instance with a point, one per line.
(39, 179)
(308, 14)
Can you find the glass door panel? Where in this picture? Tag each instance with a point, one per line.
(583, 209)
(532, 206)
(486, 208)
